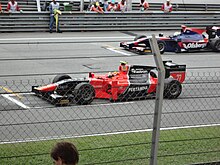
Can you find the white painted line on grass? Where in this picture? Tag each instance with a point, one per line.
(8, 96)
(117, 51)
(103, 134)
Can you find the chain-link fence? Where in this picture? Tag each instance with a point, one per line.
(106, 128)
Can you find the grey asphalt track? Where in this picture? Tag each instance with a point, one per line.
(34, 54)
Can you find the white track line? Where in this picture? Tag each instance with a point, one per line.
(117, 51)
(63, 38)
(104, 134)
(8, 96)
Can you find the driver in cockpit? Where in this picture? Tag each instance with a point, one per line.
(123, 68)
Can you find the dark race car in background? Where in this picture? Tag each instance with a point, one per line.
(136, 82)
(187, 40)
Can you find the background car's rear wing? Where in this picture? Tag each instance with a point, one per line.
(174, 70)
(212, 31)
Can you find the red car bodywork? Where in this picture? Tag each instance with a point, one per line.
(112, 86)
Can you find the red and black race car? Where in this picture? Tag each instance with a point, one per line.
(130, 82)
(187, 40)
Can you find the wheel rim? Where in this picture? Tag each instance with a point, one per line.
(86, 93)
(174, 89)
(218, 46)
(161, 47)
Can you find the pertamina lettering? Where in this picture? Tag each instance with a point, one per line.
(194, 45)
(138, 70)
(133, 89)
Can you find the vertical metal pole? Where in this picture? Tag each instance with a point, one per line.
(129, 5)
(38, 6)
(158, 102)
(81, 5)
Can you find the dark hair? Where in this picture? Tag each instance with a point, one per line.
(66, 151)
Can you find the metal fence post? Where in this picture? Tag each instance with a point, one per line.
(38, 6)
(129, 5)
(81, 5)
(158, 102)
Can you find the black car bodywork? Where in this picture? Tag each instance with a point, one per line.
(188, 40)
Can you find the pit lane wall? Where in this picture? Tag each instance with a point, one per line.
(89, 21)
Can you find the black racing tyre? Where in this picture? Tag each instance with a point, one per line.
(177, 48)
(141, 52)
(61, 77)
(215, 45)
(139, 37)
(84, 93)
(162, 46)
(173, 89)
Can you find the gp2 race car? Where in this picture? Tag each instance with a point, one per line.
(130, 82)
(188, 40)
(138, 81)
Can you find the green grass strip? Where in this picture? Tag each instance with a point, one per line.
(181, 146)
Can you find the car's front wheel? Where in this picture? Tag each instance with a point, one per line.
(84, 93)
(60, 78)
(139, 37)
(162, 46)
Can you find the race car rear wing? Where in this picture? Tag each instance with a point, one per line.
(213, 31)
(174, 70)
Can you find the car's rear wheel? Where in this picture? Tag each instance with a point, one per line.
(139, 37)
(60, 78)
(177, 49)
(162, 46)
(173, 90)
(215, 45)
(84, 93)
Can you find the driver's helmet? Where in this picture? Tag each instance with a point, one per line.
(176, 34)
(123, 67)
(123, 62)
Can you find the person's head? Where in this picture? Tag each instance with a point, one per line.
(96, 4)
(122, 2)
(168, 2)
(112, 1)
(54, 1)
(65, 153)
(142, 1)
(13, 1)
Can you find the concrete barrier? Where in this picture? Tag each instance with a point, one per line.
(89, 21)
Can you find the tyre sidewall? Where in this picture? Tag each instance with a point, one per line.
(60, 78)
(162, 46)
(215, 45)
(139, 37)
(79, 93)
(169, 91)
